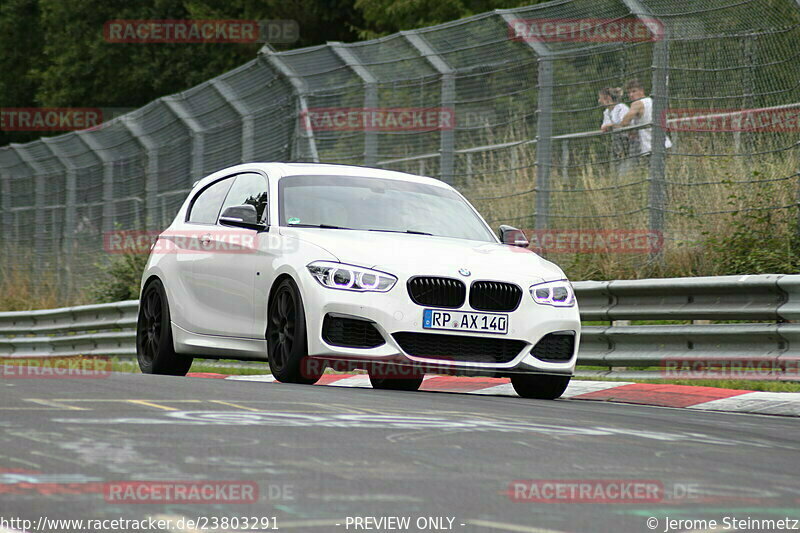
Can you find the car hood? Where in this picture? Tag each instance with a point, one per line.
(408, 254)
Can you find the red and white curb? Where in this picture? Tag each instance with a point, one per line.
(664, 395)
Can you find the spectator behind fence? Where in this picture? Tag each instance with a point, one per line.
(611, 99)
(641, 112)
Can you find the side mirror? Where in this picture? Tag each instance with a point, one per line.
(513, 236)
(241, 216)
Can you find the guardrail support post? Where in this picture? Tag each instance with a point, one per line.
(447, 140)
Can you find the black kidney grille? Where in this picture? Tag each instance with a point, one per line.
(350, 333)
(458, 347)
(555, 346)
(437, 292)
(494, 296)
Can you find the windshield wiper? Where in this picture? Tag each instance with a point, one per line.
(323, 226)
(411, 231)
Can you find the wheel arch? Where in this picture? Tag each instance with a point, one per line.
(271, 295)
(148, 281)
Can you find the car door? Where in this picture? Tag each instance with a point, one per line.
(184, 249)
(224, 271)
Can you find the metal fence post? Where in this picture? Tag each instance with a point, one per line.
(447, 141)
(656, 203)
(657, 192)
(70, 201)
(544, 124)
(370, 97)
(39, 231)
(198, 137)
(152, 218)
(248, 120)
(6, 221)
(544, 134)
(303, 130)
(109, 206)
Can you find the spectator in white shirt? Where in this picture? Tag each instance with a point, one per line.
(641, 113)
(615, 110)
(611, 99)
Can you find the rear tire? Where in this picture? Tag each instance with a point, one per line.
(155, 350)
(540, 386)
(287, 344)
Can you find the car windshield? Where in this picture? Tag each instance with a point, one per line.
(361, 203)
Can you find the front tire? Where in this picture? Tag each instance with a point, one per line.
(155, 350)
(287, 344)
(409, 380)
(540, 386)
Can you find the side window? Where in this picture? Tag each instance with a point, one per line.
(206, 206)
(248, 189)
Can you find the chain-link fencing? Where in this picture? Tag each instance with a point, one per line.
(506, 106)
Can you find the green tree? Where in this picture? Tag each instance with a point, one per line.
(382, 17)
(54, 52)
(21, 49)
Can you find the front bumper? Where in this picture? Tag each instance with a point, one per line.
(394, 312)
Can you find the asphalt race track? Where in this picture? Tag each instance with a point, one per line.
(327, 458)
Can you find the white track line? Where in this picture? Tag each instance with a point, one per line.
(267, 378)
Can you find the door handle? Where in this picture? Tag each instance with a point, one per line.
(205, 239)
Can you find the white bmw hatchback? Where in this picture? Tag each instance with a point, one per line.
(314, 265)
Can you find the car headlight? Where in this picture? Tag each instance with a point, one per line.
(350, 278)
(555, 293)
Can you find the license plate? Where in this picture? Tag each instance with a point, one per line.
(461, 321)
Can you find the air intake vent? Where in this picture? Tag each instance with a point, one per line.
(557, 346)
(350, 332)
(459, 348)
(494, 296)
(437, 292)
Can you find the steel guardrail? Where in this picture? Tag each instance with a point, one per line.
(768, 303)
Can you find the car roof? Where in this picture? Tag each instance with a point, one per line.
(321, 169)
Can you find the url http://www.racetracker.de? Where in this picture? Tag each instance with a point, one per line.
(43, 523)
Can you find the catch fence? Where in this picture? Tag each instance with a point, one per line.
(517, 130)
